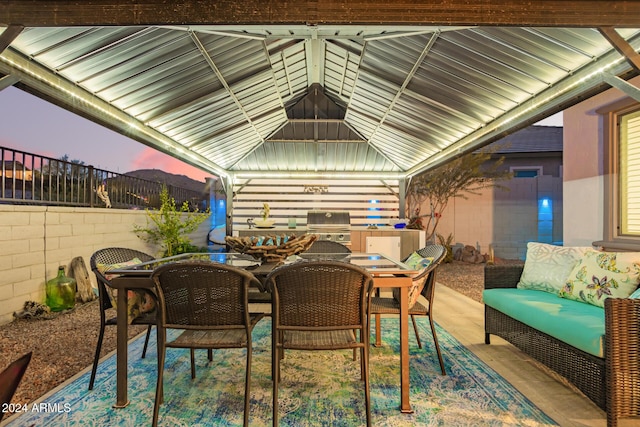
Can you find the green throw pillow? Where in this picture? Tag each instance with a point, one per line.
(601, 275)
(547, 267)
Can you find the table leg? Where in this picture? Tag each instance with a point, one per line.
(405, 404)
(121, 350)
(378, 332)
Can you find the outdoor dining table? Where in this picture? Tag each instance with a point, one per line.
(386, 272)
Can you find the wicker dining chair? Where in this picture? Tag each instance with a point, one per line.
(10, 379)
(208, 303)
(109, 257)
(390, 305)
(320, 305)
(328, 247)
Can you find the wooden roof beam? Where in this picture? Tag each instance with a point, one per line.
(8, 35)
(567, 13)
(622, 46)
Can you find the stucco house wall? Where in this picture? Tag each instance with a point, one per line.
(583, 169)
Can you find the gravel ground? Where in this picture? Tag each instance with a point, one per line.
(64, 345)
(463, 277)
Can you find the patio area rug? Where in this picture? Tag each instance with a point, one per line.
(317, 389)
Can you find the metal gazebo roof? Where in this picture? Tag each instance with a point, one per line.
(320, 99)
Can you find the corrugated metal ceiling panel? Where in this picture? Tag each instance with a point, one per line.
(224, 92)
(315, 156)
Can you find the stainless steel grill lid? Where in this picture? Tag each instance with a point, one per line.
(328, 219)
(330, 225)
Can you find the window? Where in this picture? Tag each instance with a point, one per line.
(622, 178)
(526, 172)
(629, 176)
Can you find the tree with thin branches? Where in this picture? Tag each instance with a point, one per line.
(467, 174)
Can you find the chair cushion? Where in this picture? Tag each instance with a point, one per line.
(577, 324)
(601, 275)
(10, 379)
(635, 294)
(547, 267)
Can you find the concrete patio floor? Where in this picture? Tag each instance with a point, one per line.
(464, 319)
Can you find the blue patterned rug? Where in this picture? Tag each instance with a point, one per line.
(317, 389)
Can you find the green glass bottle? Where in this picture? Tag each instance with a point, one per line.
(61, 292)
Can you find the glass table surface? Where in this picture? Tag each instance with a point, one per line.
(373, 262)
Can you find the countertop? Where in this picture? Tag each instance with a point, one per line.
(303, 228)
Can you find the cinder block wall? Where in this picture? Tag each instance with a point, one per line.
(35, 240)
(517, 219)
(505, 219)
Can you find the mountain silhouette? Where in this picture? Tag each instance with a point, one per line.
(180, 181)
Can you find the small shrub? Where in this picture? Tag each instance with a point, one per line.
(170, 226)
(447, 244)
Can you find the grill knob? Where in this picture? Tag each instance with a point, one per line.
(340, 236)
(328, 237)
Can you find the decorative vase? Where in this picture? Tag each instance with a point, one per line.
(61, 292)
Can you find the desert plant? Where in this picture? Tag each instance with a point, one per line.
(169, 226)
(447, 245)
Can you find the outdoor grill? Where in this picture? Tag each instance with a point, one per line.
(330, 225)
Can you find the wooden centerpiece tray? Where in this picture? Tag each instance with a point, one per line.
(271, 248)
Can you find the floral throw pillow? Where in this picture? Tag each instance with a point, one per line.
(601, 275)
(139, 301)
(547, 267)
(105, 268)
(417, 261)
(414, 291)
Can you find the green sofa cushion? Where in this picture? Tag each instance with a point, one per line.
(577, 324)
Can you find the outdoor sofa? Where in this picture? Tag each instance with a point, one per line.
(576, 311)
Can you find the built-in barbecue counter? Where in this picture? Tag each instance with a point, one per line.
(397, 243)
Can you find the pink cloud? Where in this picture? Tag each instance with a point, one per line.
(27, 148)
(153, 159)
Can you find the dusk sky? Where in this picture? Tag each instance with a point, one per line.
(30, 124)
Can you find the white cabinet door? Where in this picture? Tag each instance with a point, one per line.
(386, 245)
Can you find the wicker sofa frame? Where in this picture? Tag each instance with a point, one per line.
(612, 383)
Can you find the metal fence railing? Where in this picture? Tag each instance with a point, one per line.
(32, 179)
